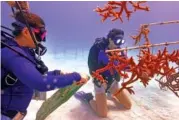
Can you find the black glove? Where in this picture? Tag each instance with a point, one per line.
(41, 67)
(97, 83)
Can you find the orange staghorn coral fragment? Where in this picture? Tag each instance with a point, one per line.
(110, 9)
(137, 6)
(144, 31)
(23, 4)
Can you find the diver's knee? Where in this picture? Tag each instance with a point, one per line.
(103, 114)
(128, 105)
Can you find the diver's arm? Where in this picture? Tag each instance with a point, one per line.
(27, 73)
(54, 72)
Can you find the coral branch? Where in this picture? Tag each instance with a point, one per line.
(138, 6)
(110, 9)
(171, 82)
(147, 67)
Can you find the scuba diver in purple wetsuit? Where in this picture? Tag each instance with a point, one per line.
(22, 71)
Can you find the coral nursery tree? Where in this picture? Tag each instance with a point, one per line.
(149, 64)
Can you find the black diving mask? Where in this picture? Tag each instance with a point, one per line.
(118, 40)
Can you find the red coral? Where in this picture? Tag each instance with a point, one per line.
(147, 67)
(144, 31)
(111, 6)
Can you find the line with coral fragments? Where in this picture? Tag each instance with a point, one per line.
(162, 23)
(142, 46)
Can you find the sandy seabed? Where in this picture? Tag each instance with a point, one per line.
(149, 103)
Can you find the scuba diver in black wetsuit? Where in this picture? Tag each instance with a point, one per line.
(98, 59)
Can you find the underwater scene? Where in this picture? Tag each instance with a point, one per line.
(89, 60)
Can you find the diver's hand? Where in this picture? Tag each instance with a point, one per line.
(84, 79)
